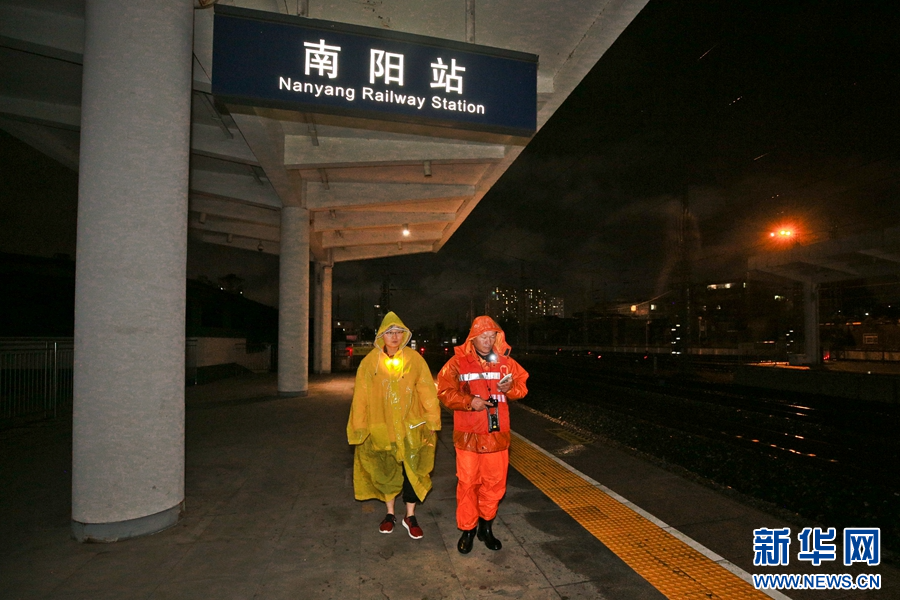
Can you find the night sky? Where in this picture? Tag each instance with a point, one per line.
(753, 114)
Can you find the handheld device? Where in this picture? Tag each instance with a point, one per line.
(493, 418)
(506, 379)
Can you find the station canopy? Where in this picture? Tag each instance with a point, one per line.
(864, 256)
(377, 183)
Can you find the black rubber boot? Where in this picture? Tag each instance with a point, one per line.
(486, 535)
(464, 545)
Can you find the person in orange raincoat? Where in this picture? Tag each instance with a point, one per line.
(476, 383)
(393, 419)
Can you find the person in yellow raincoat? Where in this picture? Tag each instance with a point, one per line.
(393, 420)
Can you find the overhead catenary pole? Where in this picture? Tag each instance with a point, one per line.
(684, 268)
(524, 307)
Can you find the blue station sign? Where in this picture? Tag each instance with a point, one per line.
(282, 61)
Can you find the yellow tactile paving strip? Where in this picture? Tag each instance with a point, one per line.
(670, 565)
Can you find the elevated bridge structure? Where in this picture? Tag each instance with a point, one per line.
(122, 93)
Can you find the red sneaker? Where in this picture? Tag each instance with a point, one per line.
(412, 526)
(387, 525)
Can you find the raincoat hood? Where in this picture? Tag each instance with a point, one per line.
(392, 320)
(480, 325)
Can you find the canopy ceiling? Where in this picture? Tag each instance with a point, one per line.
(363, 181)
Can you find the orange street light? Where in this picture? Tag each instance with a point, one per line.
(783, 235)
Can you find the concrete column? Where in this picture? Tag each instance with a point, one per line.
(813, 355)
(322, 323)
(128, 422)
(293, 303)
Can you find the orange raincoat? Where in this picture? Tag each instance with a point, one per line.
(482, 456)
(393, 419)
(467, 375)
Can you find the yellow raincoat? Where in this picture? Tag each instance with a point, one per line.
(394, 415)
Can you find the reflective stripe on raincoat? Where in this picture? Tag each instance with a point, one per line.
(393, 417)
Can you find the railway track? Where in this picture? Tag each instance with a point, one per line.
(830, 433)
(827, 460)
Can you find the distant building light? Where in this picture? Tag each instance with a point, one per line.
(634, 308)
(652, 307)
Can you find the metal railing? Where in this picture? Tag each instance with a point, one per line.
(35, 378)
(36, 374)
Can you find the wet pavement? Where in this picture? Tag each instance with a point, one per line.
(269, 513)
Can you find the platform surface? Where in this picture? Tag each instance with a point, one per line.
(270, 514)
